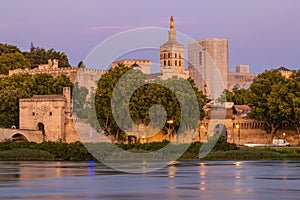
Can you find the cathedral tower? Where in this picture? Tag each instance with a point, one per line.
(172, 52)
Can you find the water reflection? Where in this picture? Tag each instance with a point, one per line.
(172, 171)
(180, 180)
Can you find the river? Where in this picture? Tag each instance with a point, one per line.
(180, 180)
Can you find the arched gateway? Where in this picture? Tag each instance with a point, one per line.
(220, 129)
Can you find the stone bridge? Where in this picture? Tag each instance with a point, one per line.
(20, 135)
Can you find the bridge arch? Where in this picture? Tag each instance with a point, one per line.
(18, 137)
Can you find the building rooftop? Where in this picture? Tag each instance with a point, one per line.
(153, 76)
(242, 108)
(45, 97)
(282, 68)
(172, 43)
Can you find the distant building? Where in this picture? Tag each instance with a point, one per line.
(241, 78)
(50, 114)
(208, 65)
(285, 72)
(208, 60)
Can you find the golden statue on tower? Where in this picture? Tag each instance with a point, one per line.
(171, 22)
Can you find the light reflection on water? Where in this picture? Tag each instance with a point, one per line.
(180, 180)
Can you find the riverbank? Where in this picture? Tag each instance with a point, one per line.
(77, 152)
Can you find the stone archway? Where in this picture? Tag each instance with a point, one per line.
(220, 129)
(41, 127)
(18, 137)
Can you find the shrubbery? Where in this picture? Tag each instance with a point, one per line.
(78, 152)
(58, 151)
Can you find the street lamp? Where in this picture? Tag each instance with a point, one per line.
(237, 126)
(169, 130)
(199, 132)
(283, 134)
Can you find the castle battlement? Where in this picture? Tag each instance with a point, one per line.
(50, 68)
(132, 61)
(143, 65)
(97, 71)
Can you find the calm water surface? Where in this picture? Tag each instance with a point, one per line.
(181, 180)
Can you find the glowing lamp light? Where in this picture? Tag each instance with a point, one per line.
(170, 121)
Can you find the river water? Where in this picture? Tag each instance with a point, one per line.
(180, 180)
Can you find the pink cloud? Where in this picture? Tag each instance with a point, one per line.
(109, 28)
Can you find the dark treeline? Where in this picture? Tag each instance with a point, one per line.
(11, 57)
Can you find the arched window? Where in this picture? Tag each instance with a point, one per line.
(175, 62)
(165, 56)
(41, 127)
(165, 62)
(179, 62)
(200, 58)
(245, 86)
(175, 55)
(237, 86)
(169, 63)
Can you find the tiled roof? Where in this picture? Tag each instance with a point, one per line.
(282, 68)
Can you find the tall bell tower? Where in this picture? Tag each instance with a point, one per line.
(172, 52)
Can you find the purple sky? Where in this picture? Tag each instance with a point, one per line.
(262, 33)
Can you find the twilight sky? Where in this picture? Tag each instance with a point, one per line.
(262, 33)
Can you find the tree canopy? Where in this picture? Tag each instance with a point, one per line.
(237, 96)
(7, 48)
(12, 58)
(39, 55)
(293, 100)
(10, 61)
(142, 97)
(268, 99)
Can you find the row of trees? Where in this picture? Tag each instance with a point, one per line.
(17, 86)
(12, 58)
(111, 103)
(274, 99)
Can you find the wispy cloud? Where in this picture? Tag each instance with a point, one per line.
(109, 28)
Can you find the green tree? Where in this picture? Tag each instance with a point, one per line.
(103, 101)
(9, 107)
(9, 61)
(38, 55)
(42, 84)
(16, 81)
(80, 101)
(293, 99)
(267, 98)
(7, 48)
(142, 98)
(59, 83)
(81, 64)
(237, 96)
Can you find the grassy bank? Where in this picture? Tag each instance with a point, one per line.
(77, 151)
